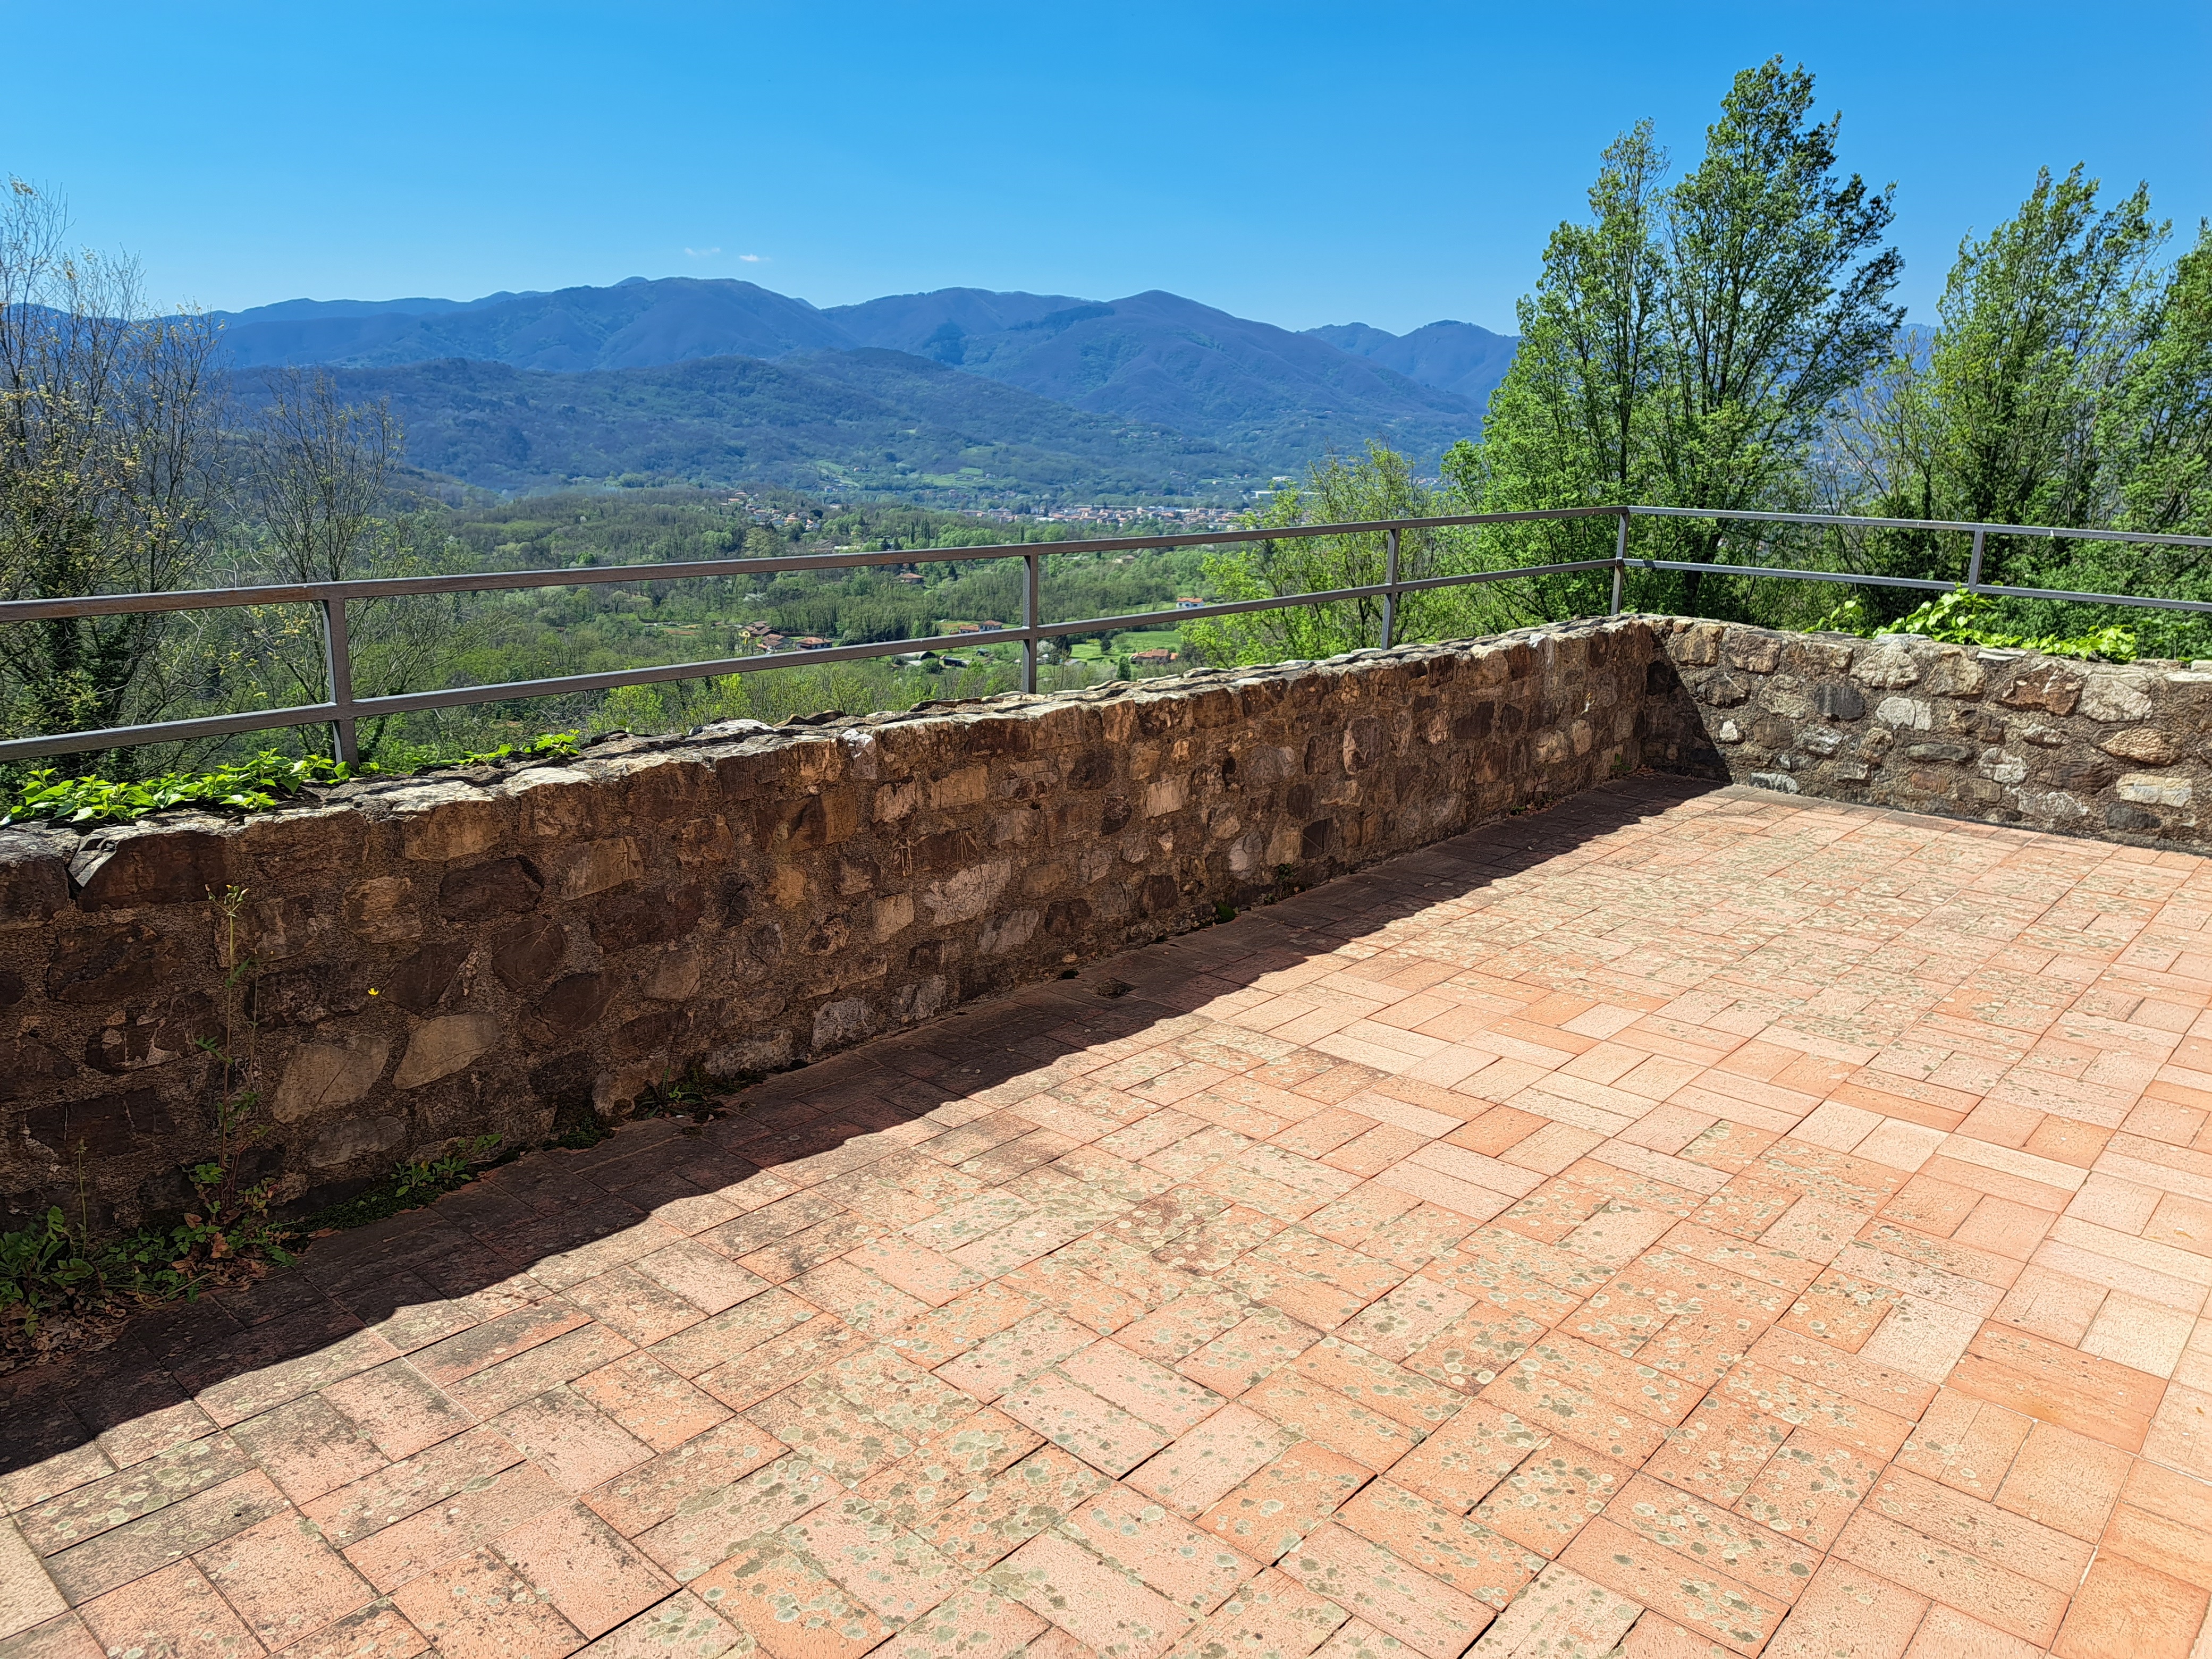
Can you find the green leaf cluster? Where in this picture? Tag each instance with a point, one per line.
(249, 786)
(1960, 617)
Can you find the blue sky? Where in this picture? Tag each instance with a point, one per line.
(1385, 162)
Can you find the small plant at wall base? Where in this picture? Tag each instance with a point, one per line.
(411, 1186)
(234, 1214)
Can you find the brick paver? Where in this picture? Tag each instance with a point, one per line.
(1684, 1221)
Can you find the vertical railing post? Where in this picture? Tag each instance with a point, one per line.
(1974, 565)
(338, 663)
(1029, 621)
(1390, 591)
(1620, 562)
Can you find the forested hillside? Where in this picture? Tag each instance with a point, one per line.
(876, 421)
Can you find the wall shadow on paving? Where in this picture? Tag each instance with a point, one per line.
(225, 1352)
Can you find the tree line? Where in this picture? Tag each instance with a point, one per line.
(1731, 338)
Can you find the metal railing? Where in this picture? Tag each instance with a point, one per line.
(341, 710)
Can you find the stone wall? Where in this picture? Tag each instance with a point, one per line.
(2117, 751)
(502, 951)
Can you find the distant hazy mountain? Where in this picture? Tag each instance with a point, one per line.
(936, 325)
(870, 420)
(1265, 391)
(1283, 398)
(633, 325)
(290, 310)
(1456, 358)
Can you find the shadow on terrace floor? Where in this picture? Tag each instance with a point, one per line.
(222, 1353)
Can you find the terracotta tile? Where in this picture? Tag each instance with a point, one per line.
(1999, 1537)
(2181, 1434)
(1551, 1495)
(1710, 1602)
(680, 1628)
(376, 1631)
(1935, 1207)
(1248, 1352)
(1800, 1402)
(569, 1437)
(174, 1614)
(2063, 1480)
(1270, 1617)
(1463, 1460)
(1189, 1565)
(650, 1493)
(989, 1524)
(1946, 1632)
(786, 1606)
(1104, 1608)
(1210, 1461)
(2125, 1611)
(2099, 1398)
(479, 1608)
(892, 1571)
(1276, 1506)
(1434, 1619)
(636, 1306)
(284, 1580)
(574, 1560)
(1372, 1439)
(1942, 1571)
(1849, 1609)
(706, 1529)
(1179, 1329)
(2051, 1304)
(1141, 1386)
(154, 1541)
(307, 1447)
(2179, 1546)
(1718, 1450)
(1809, 1488)
(1403, 1395)
(100, 1505)
(978, 1623)
(1841, 1311)
(1771, 1563)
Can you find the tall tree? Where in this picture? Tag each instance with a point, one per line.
(316, 476)
(2039, 323)
(110, 475)
(1684, 346)
(2156, 433)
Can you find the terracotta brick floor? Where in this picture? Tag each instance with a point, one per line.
(1679, 1223)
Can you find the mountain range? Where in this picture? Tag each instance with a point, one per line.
(1221, 395)
(879, 422)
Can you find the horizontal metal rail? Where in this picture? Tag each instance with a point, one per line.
(342, 709)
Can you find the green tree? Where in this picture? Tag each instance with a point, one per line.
(1685, 346)
(110, 475)
(1379, 485)
(2068, 382)
(2157, 432)
(2039, 323)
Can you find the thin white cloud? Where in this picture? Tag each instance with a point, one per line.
(752, 258)
(703, 252)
